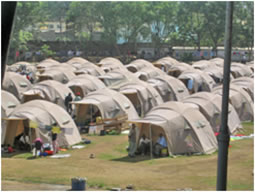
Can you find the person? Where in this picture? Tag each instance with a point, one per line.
(38, 145)
(68, 99)
(160, 144)
(190, 85)
(77, 96)
(144, 145)
(54, 142)
(243, 59)
(132, 141)
(10, 149)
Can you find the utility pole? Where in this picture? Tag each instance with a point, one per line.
(223, 138)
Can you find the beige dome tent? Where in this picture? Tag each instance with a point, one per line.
(142, 95)
(177, 69)
(138, 64)
(216, 73)
(246, 83)
(15, 84)
(85, 84)
(148, 72)
(240, 70)
(185, 128)
(202, 64)
(88, 68)
(59, 74)
(115, 78)
(219, 62)
(43, 114)
(109, 63)
(9, 102)
(209, 105)
(47, 63)
(111, 104)
(169, 88)
(29, 68)
(49, 90)
(165, 63)
(201, 80)
(240, 100)
(77, 60)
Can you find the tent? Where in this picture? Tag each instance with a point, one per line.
(47, 63)
(85, 84)
(148, 72)
(219, 62)
(109, 63)
(216, 73)
(9, 102)
(15, 84)
(60, 74)
(88, 68)
(176, 69)
(240, 70)
(142, 95)
(185, 128)
(165, 63)
(202, 64)
(209, 105)
(246, 83)
(111, 104)
(201, 80)
(77, 60)
(138, 64)
(49, 90)
(240, 100)
(29, 68)
(169, 88)
(40, 115)
(116, 77)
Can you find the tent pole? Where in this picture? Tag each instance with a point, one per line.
(151, 141)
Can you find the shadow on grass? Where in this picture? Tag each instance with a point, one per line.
(18, 154)
(135, 159)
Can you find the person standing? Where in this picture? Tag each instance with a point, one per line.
(68, 105)
(54, 142)
(132, 141)
(38, 145)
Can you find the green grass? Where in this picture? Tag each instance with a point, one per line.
(113, 168)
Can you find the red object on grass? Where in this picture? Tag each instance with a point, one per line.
(216, 133)
(239, 135)
(49, 152)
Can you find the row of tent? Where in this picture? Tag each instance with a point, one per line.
(152, 95)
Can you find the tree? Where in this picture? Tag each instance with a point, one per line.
(214, 14)
(244, 25)
(191, 22)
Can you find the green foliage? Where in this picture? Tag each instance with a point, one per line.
(176, 23)
(45, 49)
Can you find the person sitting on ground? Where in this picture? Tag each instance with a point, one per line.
(144, 145)
(68, 105)
(161, 144)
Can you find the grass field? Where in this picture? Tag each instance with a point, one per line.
(113, 168)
